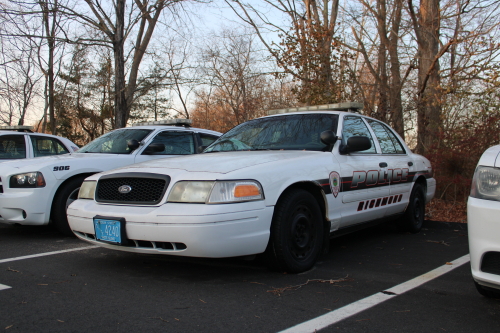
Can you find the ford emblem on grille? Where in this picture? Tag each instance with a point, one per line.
(124, 189)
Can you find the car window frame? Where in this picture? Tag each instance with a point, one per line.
(155, 134)
(26, 147)
(52, 139)
(373, 137)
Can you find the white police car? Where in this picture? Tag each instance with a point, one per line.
(279, 185)
(38, 190)
(19, 142)
(483, 223)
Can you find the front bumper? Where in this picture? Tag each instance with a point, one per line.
(483, 217)
(194, 230)
(26, 206)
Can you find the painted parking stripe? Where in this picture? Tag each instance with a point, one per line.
(47, 254)
(347, 311)
(3, 287)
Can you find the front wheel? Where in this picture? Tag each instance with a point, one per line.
(296, 232)
(413, 218)
(65, 195)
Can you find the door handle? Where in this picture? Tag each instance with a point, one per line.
(410, 163)
(382, 164)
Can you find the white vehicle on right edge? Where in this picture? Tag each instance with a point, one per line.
(483, 223)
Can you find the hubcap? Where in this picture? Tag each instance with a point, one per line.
(302, 233)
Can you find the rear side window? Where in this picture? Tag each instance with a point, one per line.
(43, 146)
(206, 139)
(12, 147)
(176, 143)
(386, 144)
(355, 126)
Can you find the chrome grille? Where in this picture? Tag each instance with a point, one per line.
(145, 188)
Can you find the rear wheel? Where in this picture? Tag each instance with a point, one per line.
(413, 218)
(296, 232)
(63, 198)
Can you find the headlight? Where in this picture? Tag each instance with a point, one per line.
(190, 191)
(27, 180)
(216, 192)
(87, 190)
(486, 183)
(236, 191)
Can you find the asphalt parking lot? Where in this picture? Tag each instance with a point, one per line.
(91, 289)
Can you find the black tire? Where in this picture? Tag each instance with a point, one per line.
(487, 292)
(66, 194)
(296, 233)
(413, 218)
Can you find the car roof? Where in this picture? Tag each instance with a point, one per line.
(171, 128)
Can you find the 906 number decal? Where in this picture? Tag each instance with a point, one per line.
(61, 168)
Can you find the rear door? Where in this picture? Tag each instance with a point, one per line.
(364, 187)
(399, 170)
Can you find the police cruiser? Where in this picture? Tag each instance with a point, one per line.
(279, 185)
(36, 191)
(19, 142)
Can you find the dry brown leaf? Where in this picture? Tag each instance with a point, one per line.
(449, 263)
(8, 327)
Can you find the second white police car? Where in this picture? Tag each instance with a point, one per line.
(37, 191)
(279, 185)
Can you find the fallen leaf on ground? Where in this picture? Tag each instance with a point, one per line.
(59, 320)
(8, 327)
(12, 270)
(449, 263)
(202, 300)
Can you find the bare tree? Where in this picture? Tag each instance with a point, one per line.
(118, 22)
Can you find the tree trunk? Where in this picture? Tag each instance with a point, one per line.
(120, 101)
(429, 104)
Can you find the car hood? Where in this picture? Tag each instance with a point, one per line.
(491, 157)
(223, 162)
(40, 162)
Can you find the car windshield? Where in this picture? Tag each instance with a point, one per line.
(115, 142)
(289, 132)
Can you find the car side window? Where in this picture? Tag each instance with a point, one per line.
(43, 146)
(355, 126)
(386, 144)
(397, 144)
(176, 143)
(12, 147)
(207, 139)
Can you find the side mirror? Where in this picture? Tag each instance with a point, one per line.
(154, 148)
(328, 138)
(201, 149)
(133, 144)
(356, 143)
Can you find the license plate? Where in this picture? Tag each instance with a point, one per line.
(108, 230)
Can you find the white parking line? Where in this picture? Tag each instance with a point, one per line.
(46, 254)
(347, 311)
(3, 287)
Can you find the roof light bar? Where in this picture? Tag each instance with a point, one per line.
(347, 106)
(17, 128)
(167, 122)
